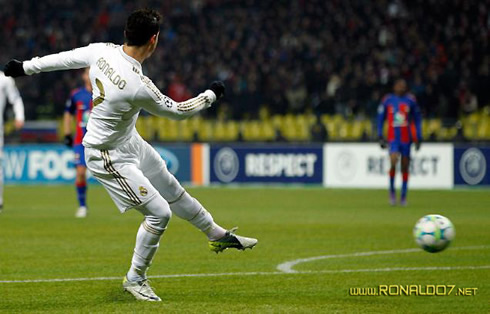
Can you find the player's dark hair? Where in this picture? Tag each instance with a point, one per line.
(141, 25)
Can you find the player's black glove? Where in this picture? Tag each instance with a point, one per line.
(68, 141)
(417, 145)
(218, 87)
(14, 68)
(382, 142)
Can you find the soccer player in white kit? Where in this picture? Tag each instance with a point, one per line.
(8, 91)
(130, 169)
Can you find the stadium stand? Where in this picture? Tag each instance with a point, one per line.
(286, 63)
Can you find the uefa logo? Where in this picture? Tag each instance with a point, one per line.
(473, 166)
(346, 166)
(226, 165)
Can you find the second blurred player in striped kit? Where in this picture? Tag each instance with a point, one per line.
(79, 106)
(401, 111)
(10, 93)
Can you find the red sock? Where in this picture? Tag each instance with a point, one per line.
(81, 184)
(392, 181)
(404, 185)
(81, 192)
(405, 176)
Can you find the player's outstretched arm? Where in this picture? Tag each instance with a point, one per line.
(73, 59)
(68, 139)
(153, 101)
(14, 98)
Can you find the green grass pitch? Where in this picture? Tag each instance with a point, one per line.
(41, 240)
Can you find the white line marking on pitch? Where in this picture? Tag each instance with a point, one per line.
(121, 277)
(287, 267)
(282, 272)
(258, 273)
(389, 269)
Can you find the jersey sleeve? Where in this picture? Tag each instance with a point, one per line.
(74, 59)
(14, 98)
(381, 116)
(152, 100)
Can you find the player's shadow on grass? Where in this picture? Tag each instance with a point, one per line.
(119, 296)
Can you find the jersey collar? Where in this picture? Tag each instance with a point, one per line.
(132, 60)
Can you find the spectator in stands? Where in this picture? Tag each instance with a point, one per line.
(296, 94)
(459, 137)
(264, 49)
(467, 100)
(318, 131)
(177, 90)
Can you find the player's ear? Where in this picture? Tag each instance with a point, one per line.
(154, 38)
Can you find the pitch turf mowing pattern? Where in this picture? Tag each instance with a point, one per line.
(41, 239)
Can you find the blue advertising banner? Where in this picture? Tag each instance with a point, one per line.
(36, 163)
(472, 165)
(271, 164)
(178, 159)
(53, 163)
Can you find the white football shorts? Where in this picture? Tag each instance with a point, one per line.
(125, 171)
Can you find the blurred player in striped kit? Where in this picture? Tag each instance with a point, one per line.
(8, 91)
(78, 107)
(401, 111)
(130, 169)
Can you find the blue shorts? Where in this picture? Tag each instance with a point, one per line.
(79, 151)
(402, 148)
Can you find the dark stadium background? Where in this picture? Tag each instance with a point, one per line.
(284, 62)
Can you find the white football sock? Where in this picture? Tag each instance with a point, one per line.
(188, 208)
(185, 206)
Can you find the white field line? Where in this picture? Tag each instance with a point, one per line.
(156, 276)
(287, 267)
(282, 272)
(339, 271)
(389, 269)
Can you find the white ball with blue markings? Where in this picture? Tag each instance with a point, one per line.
(433, 233)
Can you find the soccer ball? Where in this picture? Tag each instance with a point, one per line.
(433, 233)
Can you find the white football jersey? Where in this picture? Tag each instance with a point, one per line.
(8, 91)
(119, 92)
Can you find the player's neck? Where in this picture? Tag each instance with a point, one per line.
(88, 86)
(139, 53)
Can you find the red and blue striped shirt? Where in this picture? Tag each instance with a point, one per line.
(80, 105)
(403, 116)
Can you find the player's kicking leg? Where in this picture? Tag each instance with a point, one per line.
(188, 208)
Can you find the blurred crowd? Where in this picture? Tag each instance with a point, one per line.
(336, 56)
